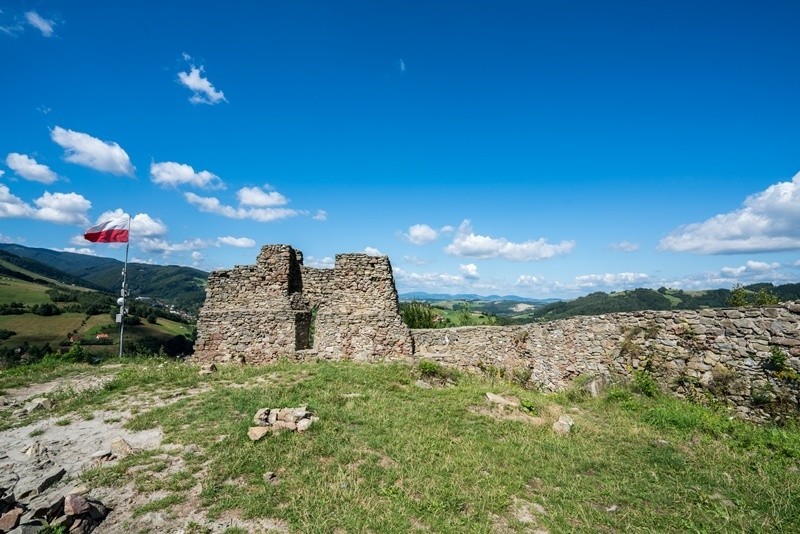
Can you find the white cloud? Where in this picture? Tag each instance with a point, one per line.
(625, 246)
(213, 205)
(9, 239)
(469, 271)
(146, 261)
(28, 168)
(402, 65)
(239, 242)
(321, 215)
(420, 234)
(261, 198)
(528, 280)
(320, 263)
(749, 268)
(13, 206)
(142, 224)
(431, 281)
(197, 259)
(169, 173)
(611, 280)
(203, 91)
(37, 21)
(767, 221)
(62, 208)
(415, 260)
(467, 243)
(372, 251)
(83, 149)
(162, 246)
(447, 229)
(83, 250)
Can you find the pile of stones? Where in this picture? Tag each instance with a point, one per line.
(274, 420)
(30, 503)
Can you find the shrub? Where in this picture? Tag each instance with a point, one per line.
(642, 382)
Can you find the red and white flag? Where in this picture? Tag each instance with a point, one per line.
(111, 231)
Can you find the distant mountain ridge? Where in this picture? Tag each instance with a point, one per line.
(181, 286)
(421, 295)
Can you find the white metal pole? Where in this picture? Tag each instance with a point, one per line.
(124, 293)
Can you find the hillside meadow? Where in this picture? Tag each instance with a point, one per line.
(401, 448)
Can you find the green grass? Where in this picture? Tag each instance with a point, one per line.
(13, 290)
(38, 330)
(396, 457)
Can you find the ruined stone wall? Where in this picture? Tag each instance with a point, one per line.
(725, 353)
(258, 313)
(254, 312)
(360, 319)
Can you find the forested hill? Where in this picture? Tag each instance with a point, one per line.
(181, 286)
(662, 299)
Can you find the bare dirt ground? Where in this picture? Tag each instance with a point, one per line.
(83, 443)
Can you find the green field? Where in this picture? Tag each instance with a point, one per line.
(38, 330)
(13, 290)
(389, 456)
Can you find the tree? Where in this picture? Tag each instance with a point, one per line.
(738, 297)
(152, 319)
(417, 315)
(465, 317)
(765, 297)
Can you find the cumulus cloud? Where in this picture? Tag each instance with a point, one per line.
(611, 280)
(467, 243)
(171, 174)
(767, 221)
(321, 215)
(8, 239)
(83, 250)
(30, 169)
(40, 23)
(402, 65)
(83, 149)
(469, 271)
(13, 206)
(372, 251)
(203, 91)
(161, 246)
(60, 208)
(625, 246)
(529, 280)
(142, 224)
(213, 205)
(261, 198)
(239, 242)
(749, 268)
(326, 262)
(415, 260)
(420, 234)
(431, 281)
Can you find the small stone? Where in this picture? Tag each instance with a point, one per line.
(10, 519)
(99, 455)
(611, 509)
(255, 433)
(39, 403)
(284, 425)
(303, 425)
(120, 447)
(261, 418)
(422, 384)
(271, 478)
(563, 426)
(503, 401)
(97, 510)
(75, 505)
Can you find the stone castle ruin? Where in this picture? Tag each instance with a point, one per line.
(750, 357)
(281, 308)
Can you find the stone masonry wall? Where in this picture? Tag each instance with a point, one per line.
(361, 319)
(258, 313)
(725, 353)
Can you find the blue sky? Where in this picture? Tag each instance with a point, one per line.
(545, 149)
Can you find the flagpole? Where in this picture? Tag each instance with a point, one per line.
(123, 293)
